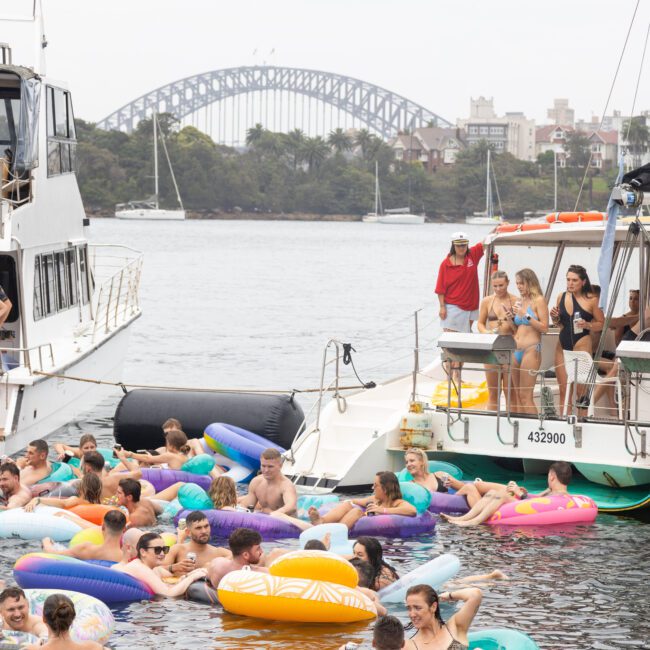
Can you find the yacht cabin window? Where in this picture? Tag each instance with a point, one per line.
(61, 135)
(57, 283)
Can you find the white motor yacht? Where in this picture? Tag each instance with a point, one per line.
(72, 302)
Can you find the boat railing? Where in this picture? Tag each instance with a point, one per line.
(117, 271)
(25, 357)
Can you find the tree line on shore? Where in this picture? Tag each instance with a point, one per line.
(291, 172)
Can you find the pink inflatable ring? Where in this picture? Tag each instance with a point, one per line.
(543, 511)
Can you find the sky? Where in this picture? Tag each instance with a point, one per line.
(437, 53)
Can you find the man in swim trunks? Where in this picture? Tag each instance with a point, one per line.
(198, 530)
(34, 466)
(14, 609)
(110, 549)
(271, 492)
(142, 512)
(246, 548)
(14, 493)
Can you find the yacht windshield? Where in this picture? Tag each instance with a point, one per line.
(9, 112)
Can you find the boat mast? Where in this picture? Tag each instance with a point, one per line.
(488, 192)
(155, 156)
(376, 188)
(554, 180)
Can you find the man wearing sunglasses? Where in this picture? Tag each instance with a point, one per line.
(147, 567)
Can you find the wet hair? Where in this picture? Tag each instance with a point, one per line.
(530, 279)
(178, 440)
(375, 554)
(562, 471)
(388, 633)
(132, 488)
(41, 446)
(271, 453)
(223, 492)
(595, 289)
(86, 438)
(242, 539)
(430, 596)
(11, 592)
(12, 468)
(172, 423)
(422, 456)
(195, 516)
(500, 275)
(58, 613)
(114, 521)
(581, 272)
(390, 485)
(143, 542)
(90, 488)
(314, 545)
(365, 572)
(94, 460)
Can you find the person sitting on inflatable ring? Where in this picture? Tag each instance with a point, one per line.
(174, 455)
(417, 465)
(388, 634)
(495, 495)
(423, 605)
(559, 477)
(110, 549)
(147, 567)
(90, 492)
(142, 511)
(58, 615)
(14, 609)
(246, 548)
(271, 492)
(385, 500)
(35, 466)
(87, 442)
(93, 463)
(14, 493)
(199, 532)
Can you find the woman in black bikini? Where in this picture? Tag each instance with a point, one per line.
(575, 335)
(495, 317)
(423, 605)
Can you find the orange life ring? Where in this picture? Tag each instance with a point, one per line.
(94, 513)
(575, 217)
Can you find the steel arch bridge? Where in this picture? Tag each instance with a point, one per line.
(381, 110)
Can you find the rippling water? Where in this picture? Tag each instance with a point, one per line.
(252, 304)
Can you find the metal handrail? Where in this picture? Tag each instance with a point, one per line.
(27, 361)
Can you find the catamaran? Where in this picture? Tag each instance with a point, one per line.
(73, 303)
(351, 438)
(150, 208)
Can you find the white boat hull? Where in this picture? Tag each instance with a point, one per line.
(151, 215)
(370, 218)
(407, 219)
(482, 221)
(38, 409)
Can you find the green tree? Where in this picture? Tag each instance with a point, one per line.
(339, 140)
(295, 142)
(255, 134)
(363, 140)
(637, 137)
(315, 151)
(578, 150)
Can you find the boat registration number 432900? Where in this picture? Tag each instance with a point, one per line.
(547, 437)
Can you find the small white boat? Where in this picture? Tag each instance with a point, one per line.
(487, 217)
(482, 219)
(396, 216)
(371, 217)
(149, 208)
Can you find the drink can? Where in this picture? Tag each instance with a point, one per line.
(191, 557)
(182, 523)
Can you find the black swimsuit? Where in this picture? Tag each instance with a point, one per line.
(568, 338)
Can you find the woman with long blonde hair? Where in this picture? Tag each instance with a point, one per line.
(417, 465)
(223, 493)
(530, 317)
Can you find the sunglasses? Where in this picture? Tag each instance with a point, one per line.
(159, 549)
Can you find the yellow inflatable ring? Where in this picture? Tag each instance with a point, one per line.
(472, 394)
(96, 537)
(315, 565)
(262, 595)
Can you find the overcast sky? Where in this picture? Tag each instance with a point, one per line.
(436, 53)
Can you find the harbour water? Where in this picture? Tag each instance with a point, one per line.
(252, 304)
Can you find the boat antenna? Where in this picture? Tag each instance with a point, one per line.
(609, 96)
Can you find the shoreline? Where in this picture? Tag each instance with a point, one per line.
(214, 215)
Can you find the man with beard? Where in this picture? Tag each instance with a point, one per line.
(246, 547)
(14, 609)
(198, 530)
(14, 493)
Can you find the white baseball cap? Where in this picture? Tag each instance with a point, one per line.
(459, 236)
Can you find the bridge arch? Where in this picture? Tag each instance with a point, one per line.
(382, 111)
